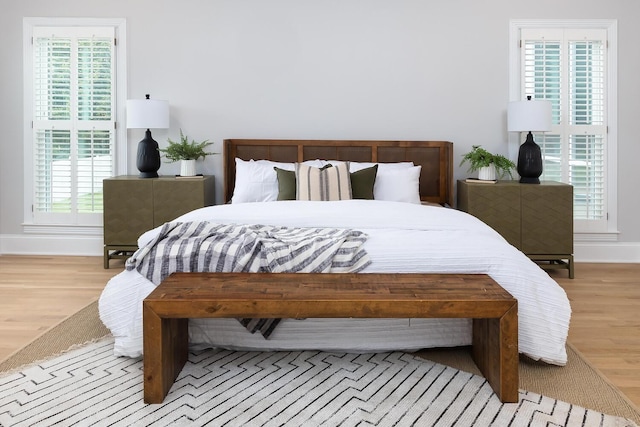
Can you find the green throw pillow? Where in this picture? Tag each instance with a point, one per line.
(362, 182)
(286, 184)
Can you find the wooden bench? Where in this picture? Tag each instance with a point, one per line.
(264, 295)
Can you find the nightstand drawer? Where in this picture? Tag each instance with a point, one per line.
(498, 206)
(128, 208)
(547, 219)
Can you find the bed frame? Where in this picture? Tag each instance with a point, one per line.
(435, 157)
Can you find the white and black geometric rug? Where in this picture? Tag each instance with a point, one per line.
(91, 387)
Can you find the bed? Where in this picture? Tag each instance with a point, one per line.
(409, 227)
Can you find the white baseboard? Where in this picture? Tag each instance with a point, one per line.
(610, 252)
(43, 244)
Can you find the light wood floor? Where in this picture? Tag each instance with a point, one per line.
(605, 325)
(37, 292)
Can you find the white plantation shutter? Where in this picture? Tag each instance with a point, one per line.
(569, 67)
(74, 122)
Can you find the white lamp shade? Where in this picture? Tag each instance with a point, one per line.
(147, 114)
(529, 116)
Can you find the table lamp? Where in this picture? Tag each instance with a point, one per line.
(148, 114)
(529, 116)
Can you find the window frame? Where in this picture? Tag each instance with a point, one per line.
(30, 223)
(585, 230)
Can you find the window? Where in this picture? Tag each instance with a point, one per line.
(70, 86)
(570, 66)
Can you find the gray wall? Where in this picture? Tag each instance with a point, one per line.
(345, 69)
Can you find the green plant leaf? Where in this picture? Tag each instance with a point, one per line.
(185, 150)
(478, 158)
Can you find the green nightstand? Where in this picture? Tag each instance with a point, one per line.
(535, 218)
(133, 205)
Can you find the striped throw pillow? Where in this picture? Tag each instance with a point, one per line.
(329, 183)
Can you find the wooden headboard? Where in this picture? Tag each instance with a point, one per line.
(435, 157)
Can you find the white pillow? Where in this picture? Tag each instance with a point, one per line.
(257, 181)
(356, 166)
(398, 185)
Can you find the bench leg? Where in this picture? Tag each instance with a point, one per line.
(165, 349)
(495, 351)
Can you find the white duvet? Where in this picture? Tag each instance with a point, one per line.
(402, 237)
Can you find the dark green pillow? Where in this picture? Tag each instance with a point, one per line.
(362, 182)
(286, 184)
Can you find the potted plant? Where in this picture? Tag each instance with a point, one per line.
(488, 165)
(187, 152)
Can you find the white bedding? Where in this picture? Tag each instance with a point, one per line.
(402, 238)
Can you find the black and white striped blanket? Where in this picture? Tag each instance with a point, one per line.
(204, 246)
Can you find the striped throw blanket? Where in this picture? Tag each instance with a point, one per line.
(203, 246)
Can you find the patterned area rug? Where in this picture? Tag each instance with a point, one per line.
(89, 386)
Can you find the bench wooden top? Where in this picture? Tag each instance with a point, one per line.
(292, 295)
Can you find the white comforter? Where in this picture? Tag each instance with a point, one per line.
(402, 238)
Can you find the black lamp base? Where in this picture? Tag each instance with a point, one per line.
(529, 161)
(148, 174)
(148, 160)
(527, 180)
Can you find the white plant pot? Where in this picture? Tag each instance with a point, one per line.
(487, 173)
(187, 167)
